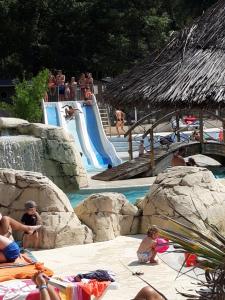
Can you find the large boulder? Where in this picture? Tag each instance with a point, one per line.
(108, 215)
(185, 194)
(60, 224)
(42, 148)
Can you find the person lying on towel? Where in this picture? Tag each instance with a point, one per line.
(9, 250)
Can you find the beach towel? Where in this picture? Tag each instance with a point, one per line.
(19, 290)
(94, 287)
(83, 290)
(24, 267)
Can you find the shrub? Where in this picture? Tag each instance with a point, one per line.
(28, 97)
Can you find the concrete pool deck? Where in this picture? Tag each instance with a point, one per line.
(116, 255)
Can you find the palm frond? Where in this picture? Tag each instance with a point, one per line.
(209, 247)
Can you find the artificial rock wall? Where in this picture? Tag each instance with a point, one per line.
(60, 224)
(42, 148)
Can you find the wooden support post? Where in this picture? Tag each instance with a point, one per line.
(152, 154)
(201, 129)
(224, 131)
(178, 126)
(130, 150)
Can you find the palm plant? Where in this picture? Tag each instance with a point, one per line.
(209, 247)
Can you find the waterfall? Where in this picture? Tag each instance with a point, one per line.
(21, 153)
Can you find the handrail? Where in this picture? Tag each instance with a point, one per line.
(139, 122)
(174, 113)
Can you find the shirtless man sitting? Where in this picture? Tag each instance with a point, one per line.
(178, 159)
(120, 116)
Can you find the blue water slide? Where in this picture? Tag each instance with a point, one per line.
(94, 135)
(85, 140)
(71, 127)
(52, 114)
(76, 128)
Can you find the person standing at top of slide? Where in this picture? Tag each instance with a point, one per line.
(82, 85)
(89, 82)
(120, 115)
(60, 81)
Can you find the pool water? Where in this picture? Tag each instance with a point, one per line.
(219, 172)
(131, 193)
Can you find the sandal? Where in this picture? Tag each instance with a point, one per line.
(138, 273)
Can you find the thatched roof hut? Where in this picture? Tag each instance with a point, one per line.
(190, 71)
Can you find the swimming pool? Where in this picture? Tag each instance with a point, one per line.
(131, 193)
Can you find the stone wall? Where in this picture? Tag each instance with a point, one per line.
(53, 150)
(108, 215)
(60, 224)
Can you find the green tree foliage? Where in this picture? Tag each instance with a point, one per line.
(28, 97)
(104, 36)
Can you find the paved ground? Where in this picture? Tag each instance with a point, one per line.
(115, 255)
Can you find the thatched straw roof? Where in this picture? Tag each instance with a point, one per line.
(190, 71)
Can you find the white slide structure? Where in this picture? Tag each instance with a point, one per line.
(107, 145)
(86, 128)
(76, 127)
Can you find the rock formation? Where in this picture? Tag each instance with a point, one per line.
(108, 215)
(60, 224)
(41, 148)
(185, 194)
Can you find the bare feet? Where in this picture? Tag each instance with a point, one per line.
(153, 261)
(32, 229)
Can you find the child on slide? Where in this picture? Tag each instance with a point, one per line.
(147, 249)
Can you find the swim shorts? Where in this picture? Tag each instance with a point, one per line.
(11, 252)
(61, 89)
(144, 257)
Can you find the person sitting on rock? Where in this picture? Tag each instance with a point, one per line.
(7, 224)
(147, 249)
(8, 248)
(31, 217)
(178, 159)
(191, 162)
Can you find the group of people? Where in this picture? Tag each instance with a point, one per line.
(146, 253)
(67, 90)
(29, 225)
